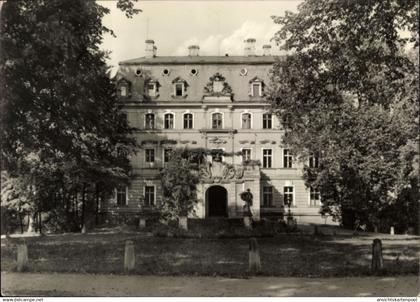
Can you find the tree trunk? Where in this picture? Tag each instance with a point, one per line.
(21, 223)
(97, 205)
(83, 209)
(40, 222)
(30, 223)
(377, 260)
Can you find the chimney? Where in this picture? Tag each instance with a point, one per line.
(249, 47)
(266, 50)
(150, 49)
(193, 50)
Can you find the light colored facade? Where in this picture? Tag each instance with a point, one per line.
(212, 102)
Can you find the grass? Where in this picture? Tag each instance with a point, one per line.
(285, 255)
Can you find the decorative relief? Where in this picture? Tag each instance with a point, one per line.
(217, 140)
(217, 172)
(217, 86)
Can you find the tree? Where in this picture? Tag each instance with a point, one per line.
(62, 125)
(179, 180)
(343, 84)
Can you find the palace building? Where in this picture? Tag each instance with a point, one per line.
(211, 102)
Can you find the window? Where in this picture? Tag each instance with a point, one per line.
(256, 89)
(267, 196)
(246, 155)
(287, 159)
(123, 90)
(313, 161)
(246, 121)
(150, 121)
(149, 195)
(267, 158)
(169, 121)
(179, 89)
(121, 195)
(150, 155)
(314, 197)
(166, 155)
(151, 89)
(288, 196)
(267, 122)
(286, 121)
(217, 121)
(188, 121)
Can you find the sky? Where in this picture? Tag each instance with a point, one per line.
(218, 27)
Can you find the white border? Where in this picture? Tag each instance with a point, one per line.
(223, 119)
(252, 120)
(154, 194)
(174, 120)
(183, 116)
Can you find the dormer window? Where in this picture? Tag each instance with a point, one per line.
(123, 91)
(180, 87)
(152, 88)
(123, 88)
(256, 88)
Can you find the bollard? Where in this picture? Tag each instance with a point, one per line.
(254, 256)
(22, 257)
(377, 260)
(248, 222)
(142, 223)
(183, 223)
(129, 256)
(392, 231)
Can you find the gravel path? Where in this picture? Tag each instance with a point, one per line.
(32, 284)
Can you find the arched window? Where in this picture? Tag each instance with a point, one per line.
(188, 121)
(150, 121)
(217, 120)
(169, 121)
(246, 121)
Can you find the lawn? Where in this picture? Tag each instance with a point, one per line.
(284, 255)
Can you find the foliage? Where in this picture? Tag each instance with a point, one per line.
(350, 88)
(179, 184)
(63, 130)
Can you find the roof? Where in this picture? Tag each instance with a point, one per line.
(175, 60)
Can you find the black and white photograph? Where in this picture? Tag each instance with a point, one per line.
(238, 148)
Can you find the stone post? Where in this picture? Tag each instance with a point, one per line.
(254, 256)
(22, 257)
(248, 222)
(392, 231)
(183, 223)
(142, 223)
(377, 260)
(129, 256)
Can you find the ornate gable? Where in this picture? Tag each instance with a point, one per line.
(217, 87)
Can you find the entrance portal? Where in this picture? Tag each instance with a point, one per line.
(216, 200)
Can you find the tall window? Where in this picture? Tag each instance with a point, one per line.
(188, 121)
(313, 161)
(288, 196)
(149, 195)
(246, 121)
(286, 121)
(246, 155)
(267, 121)
(256, 89)
(179, 89)
(267, 158)
(217, 121)
(150, 155)
(169, 121)
(121, 195)
(287, 159)
(150, 121)
(314, 197)
(267, 196)
(167, 155)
